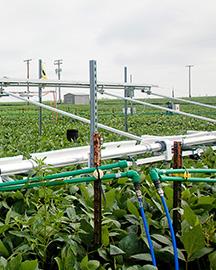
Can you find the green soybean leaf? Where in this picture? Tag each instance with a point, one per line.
(105, 236)
(202, 252)
(132, 208)
(131, 244)
(142, 257)
(14, 263)
(162, 239)
(84, 263)
(59, 263)
(190, 216)
(110, 198)
(114, 250)
(212, 259)
(193, 240)
(3, 263)
(149, 267)
(3, 250)
(93, 264)
(29, 265)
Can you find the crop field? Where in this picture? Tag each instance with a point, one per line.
(52, 228)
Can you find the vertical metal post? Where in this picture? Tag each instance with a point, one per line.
(27, 61)
(40, 99)
(58, 71)
(94, 149)
(125, 103)
(177, 164)
(131, 103)
(93, 107)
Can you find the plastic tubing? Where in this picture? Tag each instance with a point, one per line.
(121, 164)
(157, 174)
(172, 171)
(175, 250)
(10, 186)
(190, 179)
(145, 223)
(47, 181)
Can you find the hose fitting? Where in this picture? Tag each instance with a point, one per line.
(156, 180)
(134, 176)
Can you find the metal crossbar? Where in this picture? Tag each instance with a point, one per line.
(7, 82)
(76, 117)
(161, 107)
(149, 92)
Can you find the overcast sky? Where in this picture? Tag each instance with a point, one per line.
(155, 39)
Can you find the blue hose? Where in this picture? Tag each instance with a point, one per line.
(145, 223)
(172, 233)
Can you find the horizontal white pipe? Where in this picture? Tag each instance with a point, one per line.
(205, 139)
(17, 167)
(76, 117)
(78, 155)
(162, 108)
(154, 159)
(182, 100)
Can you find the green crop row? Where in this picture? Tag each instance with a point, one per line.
(52, 228)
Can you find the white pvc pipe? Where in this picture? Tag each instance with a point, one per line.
(182, 100)
(205, 139)
(76, 117)
(162, 108)
(78, 155)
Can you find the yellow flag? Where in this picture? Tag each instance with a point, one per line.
(43, 74)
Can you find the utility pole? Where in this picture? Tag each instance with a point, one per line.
(58, 71)
(173, 92)
(189, 70)
(27, 61)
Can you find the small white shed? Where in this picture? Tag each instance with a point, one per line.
(76, 98)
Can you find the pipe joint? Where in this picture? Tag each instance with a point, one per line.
(154, 174)
(163, 145)
(123, 164)
(134, 176)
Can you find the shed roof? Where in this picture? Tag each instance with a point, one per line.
(80, 94)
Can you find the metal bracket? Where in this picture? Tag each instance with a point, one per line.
(167, 148)
(146, 90)
(101, 90)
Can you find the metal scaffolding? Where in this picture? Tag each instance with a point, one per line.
(161, 107)
(149, 92)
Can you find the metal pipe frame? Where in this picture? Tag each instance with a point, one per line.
(7, 82)
(162, 108)
(80, 155)
(149, 92)
(76, 117)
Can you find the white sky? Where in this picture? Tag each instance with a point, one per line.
(155, 39)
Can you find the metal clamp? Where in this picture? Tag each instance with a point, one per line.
(166, 147)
